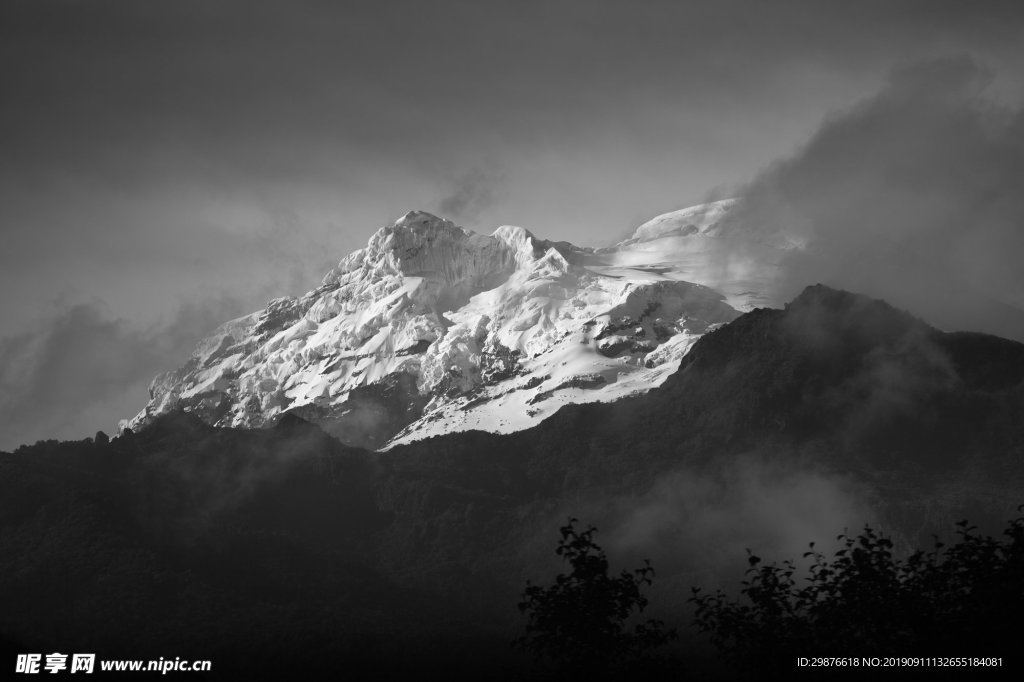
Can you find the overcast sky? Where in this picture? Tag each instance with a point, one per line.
(167, 165)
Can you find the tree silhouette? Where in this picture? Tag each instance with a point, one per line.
(580, 622)
(865, 601)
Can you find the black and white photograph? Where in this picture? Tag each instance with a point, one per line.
(511, 339)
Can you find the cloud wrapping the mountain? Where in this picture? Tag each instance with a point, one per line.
(65, 378)
(914, 196)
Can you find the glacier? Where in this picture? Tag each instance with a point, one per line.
(432, 329)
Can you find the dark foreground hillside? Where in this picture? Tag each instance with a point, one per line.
(282, 553)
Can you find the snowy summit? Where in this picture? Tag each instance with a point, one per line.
(433, 329)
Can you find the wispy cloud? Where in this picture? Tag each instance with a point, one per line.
(471, 194)
(83, 368)
(912, 196)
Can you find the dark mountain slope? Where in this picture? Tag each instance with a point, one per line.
(834, 412)
(835, 379)
(280, 550)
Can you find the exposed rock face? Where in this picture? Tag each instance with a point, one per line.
(432, 329)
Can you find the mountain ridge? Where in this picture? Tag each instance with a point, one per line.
(432, 328)
(269, 548)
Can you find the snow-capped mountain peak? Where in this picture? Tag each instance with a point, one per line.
(432, 328)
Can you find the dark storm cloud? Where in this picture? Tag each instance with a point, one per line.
(913, 196)
(68, 378)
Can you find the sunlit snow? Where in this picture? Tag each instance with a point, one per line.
(499, 331)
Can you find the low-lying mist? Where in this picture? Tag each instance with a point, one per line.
(696, 525)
